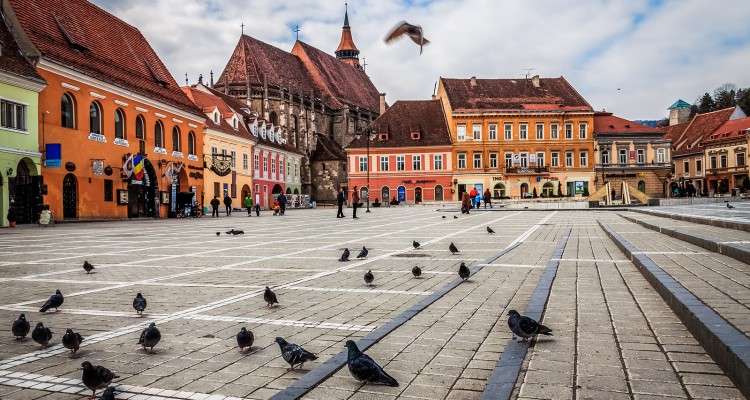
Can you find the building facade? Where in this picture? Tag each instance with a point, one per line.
(519, 137)
(726, 157)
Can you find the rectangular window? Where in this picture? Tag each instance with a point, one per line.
(108, 190)
(477, 160)
(437, 161)
(723, 161)
(281, 168)
(555, 159)
(623, 156)
(539, 159)
(462, 161)
(461, 132)
(12, 115)
(384, 163)
(582, 130)
(477, 131)
(661, 156)
(740, 159)
(523, 132)
(493, 131)
(256, 161)
(605, 157)
(524, 160)
(416, 163)
(508, 132)
(641, 154)
(400, 163)
(540, 131)
(584, 158)
(265, 163)
(234, 159)
(569, 159)
(712, 162)
(363, 164)
(214, 151)
(568, 131)
(508, 160)
(273, 166)
(686, 166)
(493, 160)
(244, 161)
(698, 166)
(553, 131)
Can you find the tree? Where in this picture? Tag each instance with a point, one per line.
(743, 100)
(706, 103)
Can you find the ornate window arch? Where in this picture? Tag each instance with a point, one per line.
(68, 111)
(176, 139)
(158, 134)
(95, 117)
(119, 124)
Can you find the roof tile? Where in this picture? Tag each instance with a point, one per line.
(405, 117)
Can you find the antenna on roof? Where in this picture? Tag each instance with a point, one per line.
(528, 71)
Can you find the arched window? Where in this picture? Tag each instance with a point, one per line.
(176, 145)
(438, 193)
(68, 111)
(385, 194)
(191, 142)
(140, 127)
(159, 134)
(499, 191)
(95, 117)
(119, 124)
(273, 119)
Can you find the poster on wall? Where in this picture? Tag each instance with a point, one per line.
(579, 187)
(401, 193)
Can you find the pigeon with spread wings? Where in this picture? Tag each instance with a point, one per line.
(413, 31)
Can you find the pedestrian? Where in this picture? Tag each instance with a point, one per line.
(355, 202)
(487, 198)
(228, 204)
(465, 203)
(340, 200)
(282, 203)
(473, 195)
(477, 200)
(249, 204)
(257, 209)
(215, 205)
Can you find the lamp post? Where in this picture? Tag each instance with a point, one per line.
(368, 134)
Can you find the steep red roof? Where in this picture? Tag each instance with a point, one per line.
(327, 150)
(404, 118)
(702, 125)
(553, 94)
(12, 61)
(730, 130)
(81, 36)
(208, 101)
(608, 123)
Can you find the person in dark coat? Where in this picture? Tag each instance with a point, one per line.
(465, 203)
(487, 197)
(282, 203)
(228, 204)
(340, 200)
(215, 206)
(355, 202)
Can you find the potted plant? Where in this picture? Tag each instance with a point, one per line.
(12, 217)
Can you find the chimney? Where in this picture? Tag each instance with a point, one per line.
(382, 103)
(200, 79)
(473, 81)
(535, 80)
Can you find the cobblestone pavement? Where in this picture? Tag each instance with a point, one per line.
(614, 337)
(717, 211)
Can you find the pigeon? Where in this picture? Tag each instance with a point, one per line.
(235, 232)
(21, 327)
(365, 369)
(218, 233)
(96, 377)
(729, 206)
(525, 327)
(72, 341)
(345, 255)
(463, 271)
(88, 267)
(415, 244)
(108, 394)
(443, 216)
(41, 335)
(54, 301)
(270, 297)
(413, 31)
(245, 338)
(139, 303)
(294, 354)
(490, 231)
(150, 337)
(416, 271)
(369, 277)
(363, 252)
(455, 217)
(453, 248)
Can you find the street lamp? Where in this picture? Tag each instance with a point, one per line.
(369, 135)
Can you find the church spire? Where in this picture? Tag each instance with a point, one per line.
(347, 51)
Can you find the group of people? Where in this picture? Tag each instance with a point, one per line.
(473, 199)
(341, 199)
(250, 205)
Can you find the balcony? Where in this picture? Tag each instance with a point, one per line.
(724, 170)
(633, 166)
(526, 170)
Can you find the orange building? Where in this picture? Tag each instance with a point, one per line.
(109, 99)
(518, 137)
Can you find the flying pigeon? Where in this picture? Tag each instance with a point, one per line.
(416, 271)
(525, 327)
(363, 252)
(365, 369)
(41, 335)
(463, 271)
(270, 297)
(490, 231)
(345, 255)
(729, 206)
(294, 354)
(453, 248)
(54, 301)
(413, 31)
(108, 394)
(88, 267)
(150, 337)
(21, 327)
(139, 303)
(245, 338)
(416, 244)
(369, 277)
(72, 340)
(96, 377)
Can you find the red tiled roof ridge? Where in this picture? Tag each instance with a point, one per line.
(610, 123)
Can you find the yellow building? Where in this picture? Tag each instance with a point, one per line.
(519, 137)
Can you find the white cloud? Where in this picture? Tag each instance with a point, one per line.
(653, 54)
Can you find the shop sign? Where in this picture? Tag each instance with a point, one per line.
(53, 155)
(97, 137)
(178, 154)
(419, 181)
(497, 178)
(192, 157)
(160, 150)
(121, 142)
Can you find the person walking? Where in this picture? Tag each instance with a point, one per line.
(282, 203)
(355, 202)
(249, 204)
(473, 195)
(257, 209)
(465, 203)
(215, 206)
(487, 198)
(340, 200)
(228, 204)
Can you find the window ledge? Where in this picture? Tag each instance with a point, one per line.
(15, 130)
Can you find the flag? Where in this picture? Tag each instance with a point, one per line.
(127, 166)
(138, 167)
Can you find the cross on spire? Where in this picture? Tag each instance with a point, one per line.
(364, 64)
(243, 28)
(297, 31)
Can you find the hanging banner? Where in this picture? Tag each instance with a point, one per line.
(127, 166)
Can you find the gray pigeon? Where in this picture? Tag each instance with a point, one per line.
(463, 271)
(416, 271)
(443, 216)
(21, 327)
(96, 377)
(729, 206)
(369, 277)
(72, 340)
(363, 252)
(365, 369)
(108, 394)
(525, 327)
(150, 337)
(294, 354)
(139, 303)
(455, 217)
(54, 301)
(88, 267)
(490, 231)
(415, 244)
(218, 233)
(345, 255)
(270, 297)
(414, 32)
(41, 335)
(453, 248)
(245, 338)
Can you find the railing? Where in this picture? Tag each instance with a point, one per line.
(726, 169)
(654, 165)
(526, 170)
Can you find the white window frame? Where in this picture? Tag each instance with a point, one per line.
(273, 165)
(569, 159)
(234, 159)
(554, 131)
(508, 131)
(583, 158)
(363, 164)
(437, 162)
(400, 163)
(523, 131)
(605, 157)
(492, 131)
(723, 160)
(568, 131)
(493, 160)
(256, 161)
(477, 160)
(245, 161)
(461, 131)
(582, 130)
(555, 159)
(476, 131)
(622, 156)
(524, 160)
(461, 157)
(713, 164)
(416, 163)
(737, 159)
(508, 160)
(540, 131)
(384, 163)
(661, 155)
(640, 156)
(540, 159)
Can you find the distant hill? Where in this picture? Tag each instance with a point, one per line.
(651, 122)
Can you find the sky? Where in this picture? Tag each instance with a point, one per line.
(631, 57)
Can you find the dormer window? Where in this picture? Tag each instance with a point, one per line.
(216, 117)
(235, 124)
(383, 136)
(415, 135)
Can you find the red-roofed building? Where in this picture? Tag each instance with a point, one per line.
(726, 156)
(109, 101)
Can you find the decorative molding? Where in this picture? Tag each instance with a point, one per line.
(69, 86)
(121, 103)
(193, 126)
(97, 95)
(160, 115)
(21, 152)
(176, 121)
(141, 109)
(21, 82)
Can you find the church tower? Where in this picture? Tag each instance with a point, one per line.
(347, 51)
